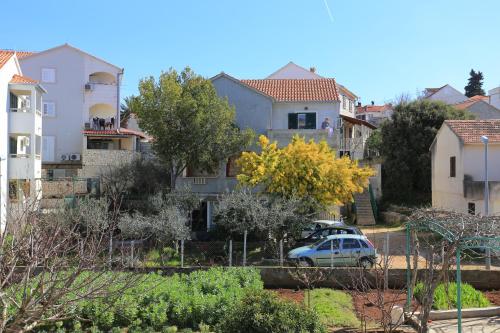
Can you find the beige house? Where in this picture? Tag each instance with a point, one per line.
(458, 166)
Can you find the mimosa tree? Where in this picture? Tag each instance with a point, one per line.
(305, 170)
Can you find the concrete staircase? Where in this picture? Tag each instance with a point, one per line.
(364, 211)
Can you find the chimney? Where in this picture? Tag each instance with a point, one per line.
(359, 103)
(312, 69)
(373, 103)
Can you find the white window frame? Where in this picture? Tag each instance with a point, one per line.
(47, 115)
(344, 104)
(43, 78)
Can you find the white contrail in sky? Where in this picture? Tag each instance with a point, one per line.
(328, 10)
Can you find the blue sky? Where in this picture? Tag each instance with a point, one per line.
(377, 48)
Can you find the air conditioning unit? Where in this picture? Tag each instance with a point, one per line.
(74, 157)
(65, 157)
(89, 87)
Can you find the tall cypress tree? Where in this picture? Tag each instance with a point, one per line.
(475, 85)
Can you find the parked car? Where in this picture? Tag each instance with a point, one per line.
(320, 224)
(348, 250)
(324, 232)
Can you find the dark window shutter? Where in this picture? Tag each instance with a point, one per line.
(292, 121)
(453, 169)
(13, 101)
(311, 120)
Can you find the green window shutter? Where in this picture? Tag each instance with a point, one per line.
(292, 121)
(311, 120)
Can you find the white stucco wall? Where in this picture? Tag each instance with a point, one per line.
(323, 110)
(447, 192)
(495, 97)
(72, 102)
(448, 95)
(6, 73)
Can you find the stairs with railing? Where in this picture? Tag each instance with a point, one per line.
(366, 207)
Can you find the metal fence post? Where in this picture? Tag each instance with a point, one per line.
(182, 253)
(281, 253)
(386, 261)
(488, 259)
(408, 270)
(459, 293)
(230, 253)
(245, 248)
(331, 254)
(132, 253)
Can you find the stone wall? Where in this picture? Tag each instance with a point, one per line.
(59, 188)
(97, 161)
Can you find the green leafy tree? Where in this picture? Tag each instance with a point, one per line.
(190, 124)
(475, 85)
(405, 149)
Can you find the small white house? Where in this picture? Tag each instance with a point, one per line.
(446, 94)
(374, 114)
(458, 166)
(20, 136)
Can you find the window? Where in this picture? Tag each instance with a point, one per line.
(471, 208)
(232, 170)
(363, 244)
(38, 145)
(105, 144)
(302, 120)
(19, 145)
(49, 75)
(344, 102)
(49, 109)
(19, 189)
(453, 166)
(349, 243)
(328, 245)
(350, 105)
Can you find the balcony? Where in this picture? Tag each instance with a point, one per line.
(101, 93)
(354, 146)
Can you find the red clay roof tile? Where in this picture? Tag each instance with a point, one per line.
(470, 131)
(22, 79)
(294, 90)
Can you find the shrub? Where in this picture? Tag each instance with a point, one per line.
(157, 302)
(445, 296)
(262, 311)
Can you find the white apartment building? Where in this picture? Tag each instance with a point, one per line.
(458, 166)
(82, 137)
(20, 136)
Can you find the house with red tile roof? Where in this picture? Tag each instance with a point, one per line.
(291, 101)
(446, 94)
(20, 137)
(458, 166)
(480, 107)
(374, 114)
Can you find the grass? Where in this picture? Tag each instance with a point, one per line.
(445, 297)
(335, 308)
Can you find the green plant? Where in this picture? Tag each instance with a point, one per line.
(170, 329)
(334, 307)
(262, 311)
(204, 328)
(445, 296)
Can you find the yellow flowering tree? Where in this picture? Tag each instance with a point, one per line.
(303, 169)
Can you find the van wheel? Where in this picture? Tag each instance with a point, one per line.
(365, 263)
(307, 262)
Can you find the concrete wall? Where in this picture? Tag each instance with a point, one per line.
(447, 192)
(253, 110)
(449, 95)
(323, 110)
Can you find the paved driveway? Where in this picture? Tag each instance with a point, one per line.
(469, 325)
